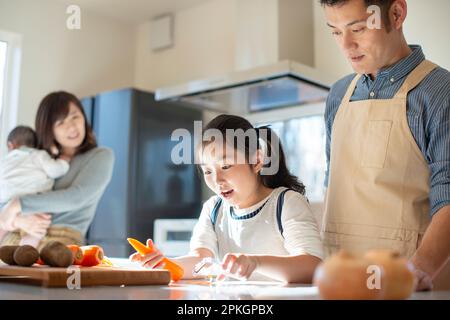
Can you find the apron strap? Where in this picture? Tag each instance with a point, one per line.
(414, 78)
(351, 89)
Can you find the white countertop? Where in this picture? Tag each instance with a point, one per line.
(182, 290)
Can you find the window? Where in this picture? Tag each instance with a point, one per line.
(10, 53)
(3, 47)
(303, 141)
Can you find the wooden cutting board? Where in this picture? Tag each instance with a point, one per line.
(88, 276)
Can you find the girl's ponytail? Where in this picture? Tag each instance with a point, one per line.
(281, 177)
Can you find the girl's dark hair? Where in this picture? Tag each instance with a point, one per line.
(282, 178)
(54, 107)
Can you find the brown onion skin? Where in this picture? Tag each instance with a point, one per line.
(343, 276)
(398, 281)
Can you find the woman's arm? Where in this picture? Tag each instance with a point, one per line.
(89, 184)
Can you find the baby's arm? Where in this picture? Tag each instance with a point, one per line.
(54, 168)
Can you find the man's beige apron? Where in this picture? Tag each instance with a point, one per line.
(378, 192)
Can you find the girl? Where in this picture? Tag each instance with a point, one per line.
(259, 226)
(62, 131)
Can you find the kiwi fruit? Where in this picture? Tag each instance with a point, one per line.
(56, 254)
(7, 254)
(25, 256)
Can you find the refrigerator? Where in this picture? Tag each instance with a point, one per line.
(146, 185)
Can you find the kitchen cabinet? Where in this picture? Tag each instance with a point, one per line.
(145, 185)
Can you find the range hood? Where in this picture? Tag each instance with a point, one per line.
(273, 52)
(286, 83)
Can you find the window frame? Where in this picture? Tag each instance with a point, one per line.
(288, 113)
(10, 102)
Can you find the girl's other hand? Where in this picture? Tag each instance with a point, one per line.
(239, 265)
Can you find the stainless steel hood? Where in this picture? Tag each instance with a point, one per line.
(270, 39)
(283, 84)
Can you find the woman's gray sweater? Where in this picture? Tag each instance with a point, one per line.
(75, 196)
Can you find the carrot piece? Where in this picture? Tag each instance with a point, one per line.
(40, 262)
(77, 254)
(92, 255)
(176, 271)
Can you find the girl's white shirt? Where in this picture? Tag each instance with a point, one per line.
(260, 234)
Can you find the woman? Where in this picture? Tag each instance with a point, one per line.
(63, 131)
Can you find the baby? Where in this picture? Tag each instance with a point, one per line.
(26, 170)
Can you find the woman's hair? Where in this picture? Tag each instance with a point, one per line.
(54, 107)
(282, 177)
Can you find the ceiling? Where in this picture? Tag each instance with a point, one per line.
(133, 11)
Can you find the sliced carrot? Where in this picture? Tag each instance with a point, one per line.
(176, 271)
(92, 255)
(77, 254)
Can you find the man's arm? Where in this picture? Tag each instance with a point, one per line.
(434, 250)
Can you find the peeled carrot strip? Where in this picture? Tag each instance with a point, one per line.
(176, 271)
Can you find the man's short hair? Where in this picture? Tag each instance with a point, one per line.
(384, 5)
(23, 136)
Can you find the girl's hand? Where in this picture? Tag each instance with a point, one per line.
(152, 260)
(239, 265)
(35, 225)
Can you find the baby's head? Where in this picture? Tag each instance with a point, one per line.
(22, 136)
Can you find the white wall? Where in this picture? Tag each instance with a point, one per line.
(221, 36)
(204, 46)
(107, 54)
(427, 24)
(98, 57)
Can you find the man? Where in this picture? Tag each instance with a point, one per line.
(388, 142)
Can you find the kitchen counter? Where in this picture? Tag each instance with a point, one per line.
(182, 290)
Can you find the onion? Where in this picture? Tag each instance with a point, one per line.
(378, 274)
(398, 279)
(345, 276)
